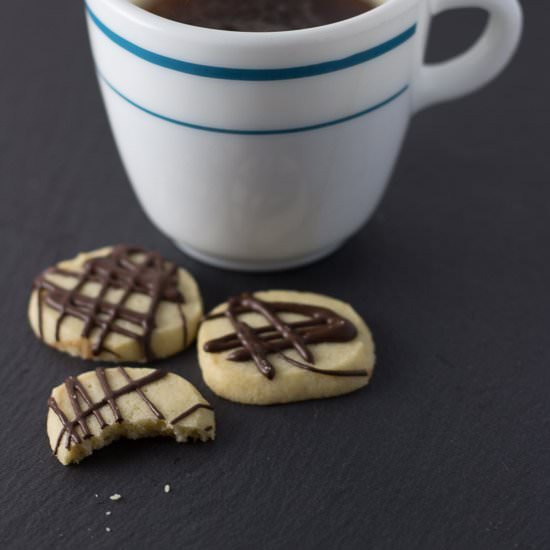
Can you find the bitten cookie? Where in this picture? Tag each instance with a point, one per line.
(119, 303)
(282, 346)
(93, 409)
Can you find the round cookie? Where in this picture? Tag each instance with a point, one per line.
(89, 411)
(280, 346)
(118, 303)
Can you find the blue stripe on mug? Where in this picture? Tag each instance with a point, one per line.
(228, 73)
(256, 132)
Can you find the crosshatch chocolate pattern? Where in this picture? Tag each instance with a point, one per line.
(247, 343)
(153, 277)
(76, 392)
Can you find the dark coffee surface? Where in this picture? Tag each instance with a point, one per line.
(258, 15)
(449, 446)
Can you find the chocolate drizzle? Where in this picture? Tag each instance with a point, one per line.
(247, 343)
(77, 392)
(152, 277)
(190, 411)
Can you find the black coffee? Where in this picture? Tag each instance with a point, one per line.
(258, 15)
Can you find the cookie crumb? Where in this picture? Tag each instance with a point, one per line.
(108, 529)
(108, 513)
(116, 496)
(167, 488)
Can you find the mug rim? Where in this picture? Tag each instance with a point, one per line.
(144, 18)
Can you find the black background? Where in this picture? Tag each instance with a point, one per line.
(449, 445)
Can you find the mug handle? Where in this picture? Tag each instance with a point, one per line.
(473, 69)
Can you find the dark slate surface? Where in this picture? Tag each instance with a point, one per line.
(449, 446)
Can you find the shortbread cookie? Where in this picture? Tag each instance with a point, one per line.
(119, 304)
(282, 346)
(93, 409)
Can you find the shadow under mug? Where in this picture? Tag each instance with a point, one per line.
(261, 151)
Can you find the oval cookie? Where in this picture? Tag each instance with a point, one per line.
(93, 409)
(280, 346)
(118, 303)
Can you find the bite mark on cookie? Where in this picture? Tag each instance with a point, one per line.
(87, 405)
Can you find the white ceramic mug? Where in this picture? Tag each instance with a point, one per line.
(264, 151)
